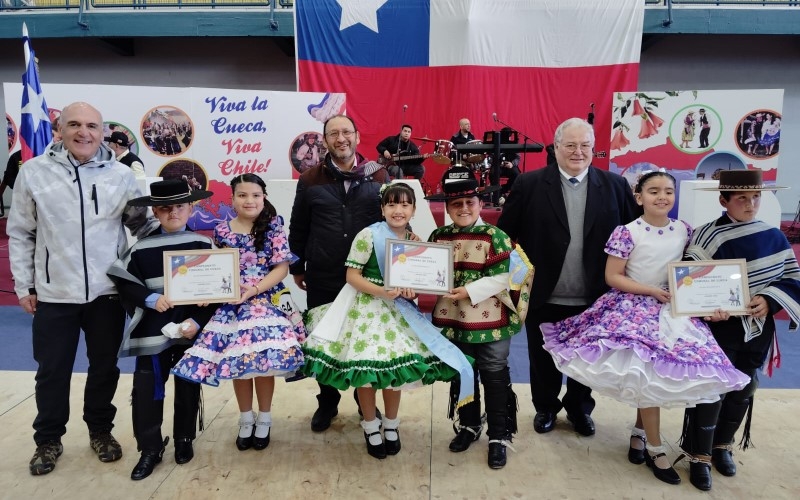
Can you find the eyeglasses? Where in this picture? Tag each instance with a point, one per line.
(333, 134)
(571, 147)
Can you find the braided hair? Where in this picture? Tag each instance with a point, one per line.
(261, 224)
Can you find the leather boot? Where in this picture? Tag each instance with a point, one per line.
(147, 412)
(184, 426)
(469, 425)
(500, 419)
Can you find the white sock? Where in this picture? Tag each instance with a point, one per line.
(390, 426)
(635, 431)
(263, 423)
(246, 421)
(373, 426)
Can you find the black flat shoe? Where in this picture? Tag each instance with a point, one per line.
(497, 454)
(392, 447)
(635, 455)
(700, 475)
(544, 421)
(147, 462)
(261, 443)
(465, 437)
(583, 424)
(668, 475)
(184, 452)
(375, 450)
(722, 458)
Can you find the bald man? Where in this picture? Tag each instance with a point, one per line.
(65, 230)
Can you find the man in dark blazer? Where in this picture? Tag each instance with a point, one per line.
(562, 216)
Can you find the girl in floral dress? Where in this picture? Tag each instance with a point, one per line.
(628, 345)
(372, 338)
(258, 337)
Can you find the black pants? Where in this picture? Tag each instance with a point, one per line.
(148, 412)
(545, 377)
(704, 137)
(56, 330)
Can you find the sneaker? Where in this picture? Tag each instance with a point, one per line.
(106, 447)
(44, 460)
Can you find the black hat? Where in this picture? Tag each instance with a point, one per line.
(460, 182)
(169, 192)
(118, 138)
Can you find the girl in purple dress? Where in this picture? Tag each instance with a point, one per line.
(628, 346)
(258, 337)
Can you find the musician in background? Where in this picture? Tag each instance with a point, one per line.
(463, 135)
(509, 166)
(394, 148)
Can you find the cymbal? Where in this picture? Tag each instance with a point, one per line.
(442, 159)
(472, 158)
(423, 139)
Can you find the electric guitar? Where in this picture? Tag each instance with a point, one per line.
(396, 158)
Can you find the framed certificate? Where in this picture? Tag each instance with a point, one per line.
(425, 267)
(699, 287)
(197, 276)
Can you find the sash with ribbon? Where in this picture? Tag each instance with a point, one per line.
(422, 328)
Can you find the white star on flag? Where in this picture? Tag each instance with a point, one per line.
(363, 12)
(35, 108)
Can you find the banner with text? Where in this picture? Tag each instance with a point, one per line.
(206, 136)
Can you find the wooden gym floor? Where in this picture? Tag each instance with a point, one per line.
(334, 464)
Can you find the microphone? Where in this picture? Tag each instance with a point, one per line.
(494, 117)
(405, 107)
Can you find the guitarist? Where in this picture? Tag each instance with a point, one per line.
(394, 148)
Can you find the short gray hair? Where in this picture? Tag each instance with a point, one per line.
(573, 122)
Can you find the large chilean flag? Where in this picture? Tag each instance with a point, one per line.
(534, 63)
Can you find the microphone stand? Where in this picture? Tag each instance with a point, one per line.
(525, 140)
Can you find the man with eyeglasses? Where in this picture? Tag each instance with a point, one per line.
(334, 201)
(562, 216)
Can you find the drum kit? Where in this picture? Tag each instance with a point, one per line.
(445, 153)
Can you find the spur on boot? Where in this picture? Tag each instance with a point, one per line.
(261, 433)
(244, 441)
(372, 434)
(668, 474)
(722, 458)
(465, 437)
(636, 455)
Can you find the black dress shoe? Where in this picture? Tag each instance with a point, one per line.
(583, 424)
(635, 455)
(184, 452)
(321, 419)
(668, 475)
(544, 421)
(375, 450)
(465, 437)
(392, 447)
(722, 458)
(147, 462)
(245, 443)
(261, 443)
(497, 454)
(700, 475)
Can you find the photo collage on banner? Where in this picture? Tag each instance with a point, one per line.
(204, 136)
(695, 134)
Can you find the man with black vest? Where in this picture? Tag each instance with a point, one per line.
(118, 142)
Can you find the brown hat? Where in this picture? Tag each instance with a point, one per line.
(742, 180)
(460, 182)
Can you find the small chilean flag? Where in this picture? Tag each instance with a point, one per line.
(34, 129)
(429, 63)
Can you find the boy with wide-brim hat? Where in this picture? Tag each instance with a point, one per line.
(139, 277)
(477, 315)
(748, 341)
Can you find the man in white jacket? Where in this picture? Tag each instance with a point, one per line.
(65, 230)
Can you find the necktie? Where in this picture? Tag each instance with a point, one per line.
(574, 180)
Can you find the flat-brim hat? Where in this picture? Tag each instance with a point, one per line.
(460, 182)
(169, 192)
(742, 180)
